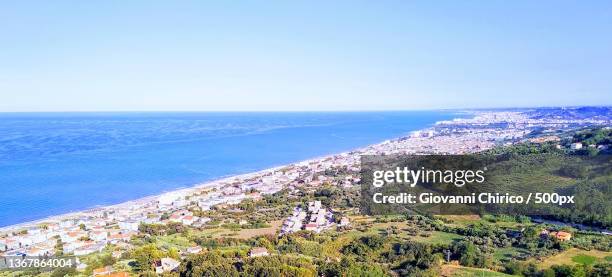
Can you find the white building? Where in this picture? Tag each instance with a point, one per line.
(576, 146)
(98, 235)
(194, 250)
(166, 265)
(344, 221)
(258, 252)
(89, 248)
(131, 225)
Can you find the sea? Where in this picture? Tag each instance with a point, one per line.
(55, 163)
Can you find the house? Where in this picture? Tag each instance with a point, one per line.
(88, 249)
(310, 227)
(81, 266)
(344, 221)
(168, 198)
(258, 252)
(69, 247)
(37, 237)
(188, 219)
(119, 274)
(24, 240)
(576, 146)
(194, 250)
(562, 236)
(152, 219)
(314, 206)
(115, 238)
(180, 203)
(98, 235)
(52, 226)
(102, 271)
(33, 231)
(38, 251)
(204, 205)
(66, 223)
(131, 225)
(72, 236)
(166, 265)
(176, 218)
(9, 243)
(95, 224)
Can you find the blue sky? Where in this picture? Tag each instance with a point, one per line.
(303, 55)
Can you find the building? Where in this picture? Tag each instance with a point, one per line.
(98, 235)
(258, 252)
(194, 250)
(314, 206)
(38, 251)
(88, 249)
(344, 221)
(188, 219)
(310, 227)
(166, 265)
(72, 236)
(131, 225)
(81, 266)
(576, 146)
(66, 224)
(562, 236)
(9, 243)
(115, 238)
(119, 274)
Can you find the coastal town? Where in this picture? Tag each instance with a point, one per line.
(87, 232)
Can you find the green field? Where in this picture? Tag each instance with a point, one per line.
(507, 253)
(576, 256)
(437, 237)
(460, 271)
(584, 259)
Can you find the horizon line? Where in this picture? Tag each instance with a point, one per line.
(303, 111)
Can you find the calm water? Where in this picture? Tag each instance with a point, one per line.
(54, 163)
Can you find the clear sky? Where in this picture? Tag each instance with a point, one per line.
(303, 55)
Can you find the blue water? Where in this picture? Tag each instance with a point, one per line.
(53, 163)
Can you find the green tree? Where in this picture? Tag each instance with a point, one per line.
(146, 255)
(467, 252)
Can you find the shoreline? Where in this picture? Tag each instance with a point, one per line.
(203, 185)
(452, 136)
(141, 200)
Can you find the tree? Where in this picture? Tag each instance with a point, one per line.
(467, 252)
(174, 253)
(604, 269)
(373, 242)
(64, 271)
(548, 273)
(146, 255)
(107, 259)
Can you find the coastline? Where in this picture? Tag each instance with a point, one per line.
(141, 200)
(479, 131)
(215, 183)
